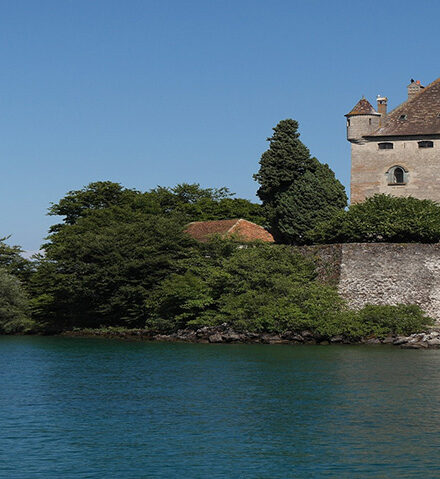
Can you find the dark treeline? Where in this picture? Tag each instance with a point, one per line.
(119, 257)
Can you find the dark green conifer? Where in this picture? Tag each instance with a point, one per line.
(297, 191)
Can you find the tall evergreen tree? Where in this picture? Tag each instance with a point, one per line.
(297, 191)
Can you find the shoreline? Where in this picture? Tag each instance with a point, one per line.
(429, 339)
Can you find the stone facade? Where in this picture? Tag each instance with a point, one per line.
(383, 273)
(407, 139)
(370, 167)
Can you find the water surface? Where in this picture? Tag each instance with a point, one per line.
(97, 409)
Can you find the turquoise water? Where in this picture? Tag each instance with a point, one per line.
(86, 408)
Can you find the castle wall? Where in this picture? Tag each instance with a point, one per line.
(370, 165)
(382, 273)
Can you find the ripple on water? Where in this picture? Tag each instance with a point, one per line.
(90, 408)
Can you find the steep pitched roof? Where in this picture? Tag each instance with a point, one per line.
(245, 230)
(414, 117)
(362, 107)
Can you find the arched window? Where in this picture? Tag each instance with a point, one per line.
(426, 144)
(397, 175)
(386, 146)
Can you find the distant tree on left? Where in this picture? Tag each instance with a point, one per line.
(12, 261)
(14, 306)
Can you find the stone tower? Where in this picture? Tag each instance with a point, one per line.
(396, 153)
(362, 120)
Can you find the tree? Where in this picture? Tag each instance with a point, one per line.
(297, 191)
(258, 288)
(184, 202)
(100, 270)
(191, 202)
(382, 218)
(12, 261)
(14, 306)
(97, 195)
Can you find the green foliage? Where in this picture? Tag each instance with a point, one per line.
(190, 202)
(120, 259)
(100, 270)
(13, 262)
(185, 203)
(297, 191)
(377, 321)
(265, 288)
(95, 196)
(14, 307)
(382, 218)
(257, 288)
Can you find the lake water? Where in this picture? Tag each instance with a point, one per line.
(92, 408)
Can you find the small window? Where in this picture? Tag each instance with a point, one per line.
(402, 117)
(397, 176)
(386, 146)
(426, 144)
(369, 121)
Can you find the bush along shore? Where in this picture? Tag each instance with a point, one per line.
(223, 334)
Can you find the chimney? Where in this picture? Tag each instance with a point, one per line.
(382, 105)
(414, 88)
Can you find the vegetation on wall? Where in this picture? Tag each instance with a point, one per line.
(296, 190)
(382, 218)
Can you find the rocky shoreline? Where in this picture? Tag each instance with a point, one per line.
(224, 334)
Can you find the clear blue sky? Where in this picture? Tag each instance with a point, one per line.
(150, 93)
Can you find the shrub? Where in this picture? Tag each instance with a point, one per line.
(256, 288)
(382, 218)
(377, 321)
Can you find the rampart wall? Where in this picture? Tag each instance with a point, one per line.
(383, 273)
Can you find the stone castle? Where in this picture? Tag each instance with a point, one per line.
(396, 153)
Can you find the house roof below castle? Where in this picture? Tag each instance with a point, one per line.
(418, 116)
(244, 230)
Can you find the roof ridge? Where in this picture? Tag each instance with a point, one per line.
(234, 225)
(416, 103)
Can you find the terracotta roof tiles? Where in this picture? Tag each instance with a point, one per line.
(245, 230)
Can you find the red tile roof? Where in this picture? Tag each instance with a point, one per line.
(243, 229)
(418, 116)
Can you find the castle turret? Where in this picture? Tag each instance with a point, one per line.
(362, 120)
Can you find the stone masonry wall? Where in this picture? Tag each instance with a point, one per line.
(383, 273)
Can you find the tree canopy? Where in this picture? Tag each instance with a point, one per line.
(297, 191)
(14, 305)
(184, 202)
